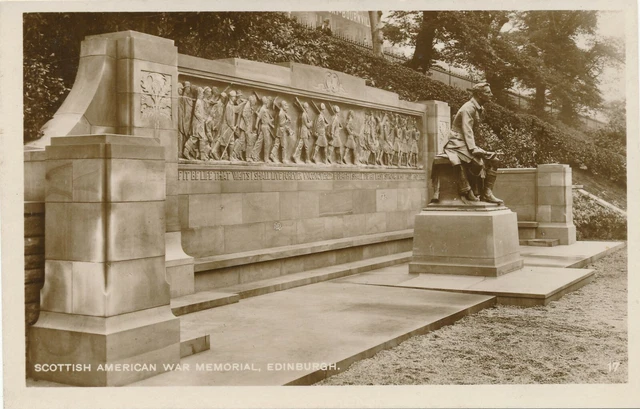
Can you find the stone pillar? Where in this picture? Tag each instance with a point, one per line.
(147, 96)
(438, 123)
(105, 298)
(127, 84)
(554, 207)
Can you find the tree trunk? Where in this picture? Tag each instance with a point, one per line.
(376, 32)
(423, 55)
(498, 88)
(540, 100)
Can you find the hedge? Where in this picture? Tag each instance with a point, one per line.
(596, 222)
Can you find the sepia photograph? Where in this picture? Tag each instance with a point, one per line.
(421, 205)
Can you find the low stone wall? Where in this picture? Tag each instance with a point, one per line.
(227, 210)
(296, 217)
(542, 199)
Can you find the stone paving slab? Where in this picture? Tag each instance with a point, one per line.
(323, 323)
(527, 287)
(576, 255)
(543, 279)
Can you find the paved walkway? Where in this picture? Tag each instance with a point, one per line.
(324, 327)
(323, 323)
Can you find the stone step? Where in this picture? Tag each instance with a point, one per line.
(288, 281)
(195, 345)
(540, 242)
(201, 301)
(527, 230)
(204, 300)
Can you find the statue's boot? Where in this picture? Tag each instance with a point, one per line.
(464, 188)
(274, 153)
(489, 182)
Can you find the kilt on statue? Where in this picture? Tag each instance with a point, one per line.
(475, 168)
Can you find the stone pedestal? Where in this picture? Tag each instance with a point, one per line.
(452, 237)
(105, 301)
(467, 240)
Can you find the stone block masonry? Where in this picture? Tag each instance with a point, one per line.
(105, 299)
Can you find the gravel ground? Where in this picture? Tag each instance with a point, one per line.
(581, 338)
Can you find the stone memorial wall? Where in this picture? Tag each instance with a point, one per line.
(279, 155)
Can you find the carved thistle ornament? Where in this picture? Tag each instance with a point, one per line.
(155, 100)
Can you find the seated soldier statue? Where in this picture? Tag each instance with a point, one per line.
(471, 162)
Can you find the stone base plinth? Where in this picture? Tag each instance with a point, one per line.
(97, 351)
(479, 240)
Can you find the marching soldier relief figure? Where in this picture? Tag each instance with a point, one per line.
(225, 126)
(413, 151)
(468, 159)
(364, 138)
(320, 131)
(215, 112)
(264, 126)
(350, 144)
(334, 135)
(283, 131)
(376, 145)
(197, 125)
(387, 140)
(227, 129)
(244, 129)
(185, 111)
(304, 136)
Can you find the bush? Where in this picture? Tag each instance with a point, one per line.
(596, 222)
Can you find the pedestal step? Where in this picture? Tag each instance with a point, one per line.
(195, 345)
(228, 295)
(540, 242)
(201, 301)
(314, 276)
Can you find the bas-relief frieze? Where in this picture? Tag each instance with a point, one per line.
(235, 125)
(293, 175)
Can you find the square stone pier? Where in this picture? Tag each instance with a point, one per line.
(452, 237)
(105, 318)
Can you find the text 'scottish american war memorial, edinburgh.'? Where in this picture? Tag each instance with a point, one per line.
(232, 222)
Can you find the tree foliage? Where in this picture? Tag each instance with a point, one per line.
(555, 53)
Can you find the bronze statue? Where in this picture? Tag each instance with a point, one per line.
(469, 160)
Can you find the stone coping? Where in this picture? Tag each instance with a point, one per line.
(275, 253)
(527, 224)
(281, 78)
(33, 207)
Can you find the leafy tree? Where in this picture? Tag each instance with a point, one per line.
(559, 68)
(471, 39)
(420, 29)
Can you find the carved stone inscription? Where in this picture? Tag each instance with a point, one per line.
(246, 125)
(223, 175)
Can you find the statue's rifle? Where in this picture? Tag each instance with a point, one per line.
(320, 112)
(300, 104)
